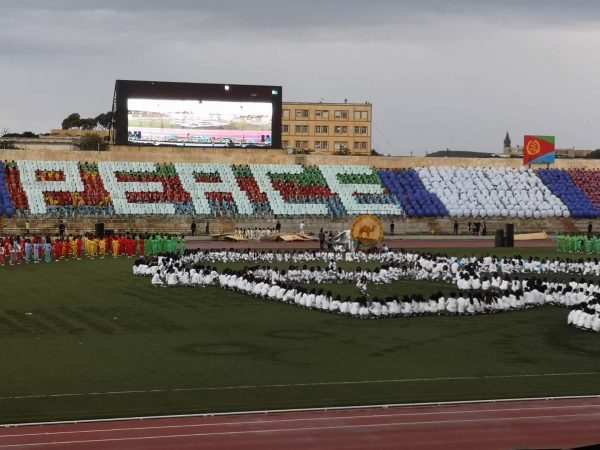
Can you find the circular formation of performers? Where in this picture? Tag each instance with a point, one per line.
(481, 285)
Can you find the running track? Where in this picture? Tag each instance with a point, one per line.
(562, 423)
(392, 243)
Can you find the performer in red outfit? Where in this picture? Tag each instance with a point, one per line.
(130, 247)
(122, 245)
(58, 249)
(109, 245)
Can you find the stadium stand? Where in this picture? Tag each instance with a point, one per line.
(218, 191)
(475, 192)
(6, 204)
(410, 191)
(562, 185)
(588, 181)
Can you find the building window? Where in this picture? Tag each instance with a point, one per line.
(286, 144)
(341, 114)
(301, 145)
(361, 115)
(302, 114)
(339, 145)
(321, 145)
(321, 129)
(360, 130)
(341, 130)
(285, 129)
(360, 145)
(363, 145)
(286, 113)
(321, 114)
(301, 129)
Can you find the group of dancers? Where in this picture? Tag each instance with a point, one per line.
(589, 244)
(15, 250)
(480, 285)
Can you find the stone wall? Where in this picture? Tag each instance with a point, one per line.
(258, 156)
(181, 225)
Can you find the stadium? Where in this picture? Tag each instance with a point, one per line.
(226, 292)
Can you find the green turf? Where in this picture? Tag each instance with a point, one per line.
(92, 329)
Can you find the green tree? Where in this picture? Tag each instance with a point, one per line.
(104, 120)
(6, 144)
(88, 124)
(73, 120)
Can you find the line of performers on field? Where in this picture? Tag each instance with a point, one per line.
(477, 290)
(15, 250)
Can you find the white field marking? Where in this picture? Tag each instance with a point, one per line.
(285, 430)
(446, 404)
(319, 383)
(301, 419)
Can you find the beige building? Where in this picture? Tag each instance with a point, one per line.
(327, 127)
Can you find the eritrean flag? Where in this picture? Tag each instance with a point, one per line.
(538, 150)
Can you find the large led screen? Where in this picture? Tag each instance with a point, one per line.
(197, 114)
(199, 122)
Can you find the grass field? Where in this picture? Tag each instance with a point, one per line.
(88, 339)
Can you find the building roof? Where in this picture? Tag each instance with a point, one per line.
(460, 154)
(329, 103)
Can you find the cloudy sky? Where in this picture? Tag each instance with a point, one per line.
(440, 73)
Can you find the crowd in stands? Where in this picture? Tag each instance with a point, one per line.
(89, 189)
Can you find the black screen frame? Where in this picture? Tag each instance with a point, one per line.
(165, 90)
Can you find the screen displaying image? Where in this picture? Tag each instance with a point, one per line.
(199, 122)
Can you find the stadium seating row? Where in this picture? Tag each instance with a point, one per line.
(68, 188)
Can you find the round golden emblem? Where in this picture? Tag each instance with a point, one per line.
(367, 229)
(533, 148)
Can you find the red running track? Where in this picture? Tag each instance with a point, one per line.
(392, 243)
(564, 423)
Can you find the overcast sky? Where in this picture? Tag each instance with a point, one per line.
(440, 73)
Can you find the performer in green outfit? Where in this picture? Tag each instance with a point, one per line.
(182, 245)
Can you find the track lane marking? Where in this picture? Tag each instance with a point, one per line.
(299, 419)
(284, 430)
